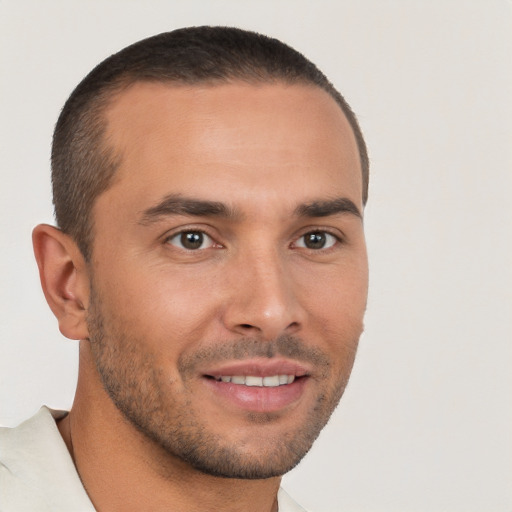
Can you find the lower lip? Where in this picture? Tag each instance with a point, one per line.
(258, 398)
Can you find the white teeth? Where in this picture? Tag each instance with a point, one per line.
(253, 381)
(271, 381)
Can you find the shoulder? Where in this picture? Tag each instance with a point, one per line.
(286, 503)
(36, 471)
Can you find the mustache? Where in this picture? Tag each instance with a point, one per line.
(245, 348)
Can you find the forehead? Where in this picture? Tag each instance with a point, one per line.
(223, 139)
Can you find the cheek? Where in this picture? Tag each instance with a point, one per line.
(336, 314)
(161, 305)
(338, 295)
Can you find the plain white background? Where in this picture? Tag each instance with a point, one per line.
(426, 422)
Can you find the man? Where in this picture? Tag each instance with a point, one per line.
(209, 186)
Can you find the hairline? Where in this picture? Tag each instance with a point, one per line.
(96, 111)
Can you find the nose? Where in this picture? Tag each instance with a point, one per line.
(264, 300)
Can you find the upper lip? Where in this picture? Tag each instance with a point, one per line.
(260, 368)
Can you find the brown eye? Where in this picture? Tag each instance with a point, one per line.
(191, 240)
(316, 240)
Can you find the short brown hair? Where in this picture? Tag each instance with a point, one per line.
(83, 165)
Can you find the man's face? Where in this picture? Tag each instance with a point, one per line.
(229, 271)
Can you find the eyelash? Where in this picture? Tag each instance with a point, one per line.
(179, 234)
(336, 240)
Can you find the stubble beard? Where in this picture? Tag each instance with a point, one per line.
(146, 398)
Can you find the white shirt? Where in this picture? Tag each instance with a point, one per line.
(37, 473)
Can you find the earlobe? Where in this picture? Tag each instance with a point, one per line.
(64, 279)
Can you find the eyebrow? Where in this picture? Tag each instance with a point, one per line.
(329, 207)
(177, 205)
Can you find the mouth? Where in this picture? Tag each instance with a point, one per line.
(271, 381)
(258, 386)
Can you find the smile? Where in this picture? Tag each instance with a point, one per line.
(258, 384)
(270, 381)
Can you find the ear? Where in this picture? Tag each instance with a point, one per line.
(64, 279)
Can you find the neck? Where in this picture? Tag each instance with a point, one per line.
(121, 469)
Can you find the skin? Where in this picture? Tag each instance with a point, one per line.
(158, 320)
